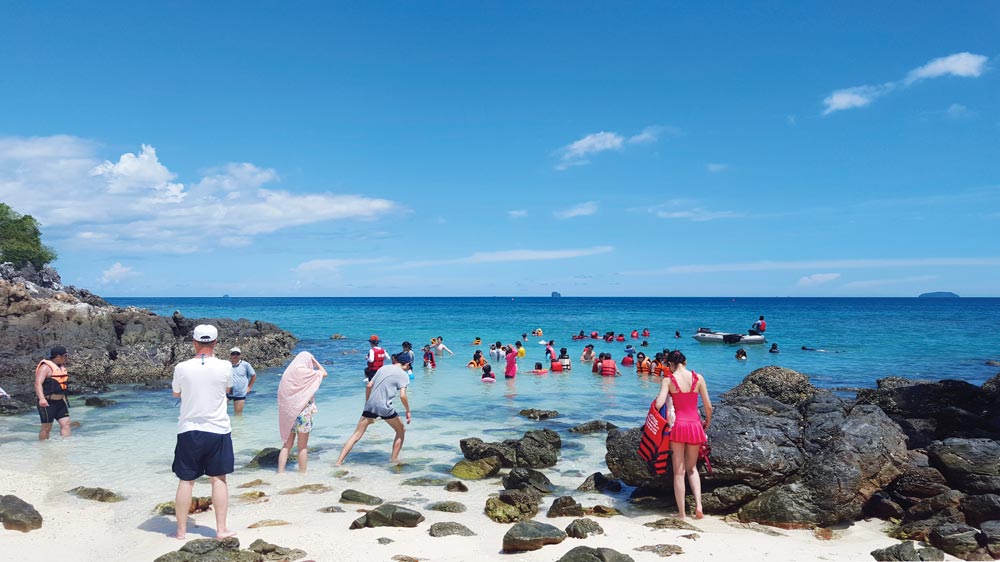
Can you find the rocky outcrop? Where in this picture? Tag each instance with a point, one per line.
(536, 449)
(784, 453)
(228, 550)
(19, 515)
(906, 552)
(109, 344)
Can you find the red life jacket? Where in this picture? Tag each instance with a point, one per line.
(593, 335)
(628, 361)
(654, 446)
(645, 333)
(620, 338)
(556, 366)
(608, 368)
(379, 356)
(56, 382)
(596, 366)
(635, 334)
(763, 326)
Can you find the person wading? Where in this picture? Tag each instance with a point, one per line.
(51, 380)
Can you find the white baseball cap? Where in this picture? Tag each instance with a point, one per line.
(205, 333)
(235, 350)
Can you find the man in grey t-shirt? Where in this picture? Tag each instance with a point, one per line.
(388, 381)
(244, 378)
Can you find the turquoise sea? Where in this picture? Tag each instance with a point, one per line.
(129, 446)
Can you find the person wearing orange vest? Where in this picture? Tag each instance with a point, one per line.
(376, 358)
(643, 365)
(50, 386)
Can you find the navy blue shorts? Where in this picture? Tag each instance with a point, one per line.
(199, 452)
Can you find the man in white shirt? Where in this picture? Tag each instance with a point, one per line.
(204, 440)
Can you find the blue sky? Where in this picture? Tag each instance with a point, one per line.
(459, 148)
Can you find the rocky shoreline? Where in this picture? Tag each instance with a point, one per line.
(108, 344)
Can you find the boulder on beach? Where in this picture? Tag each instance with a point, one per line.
(447, 507)
(96, 494)
(198, 505)
(521, 478)
(354, 496)
(565, 506)
(456, 486)
(388, 515)
(536, 449)
(906, 552)
(531, 535)
(969, 465)
(661, 550)
(512, 505)
(19, 515)
(275, 552)
(593, 426)
(477, 469)
(583, 528)
(598, 482)
(447, 529)
(784, 385)
(589, 554)
(268, 458)
(228, 550)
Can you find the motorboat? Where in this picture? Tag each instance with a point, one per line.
(706, 335)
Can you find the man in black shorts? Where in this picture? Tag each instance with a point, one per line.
(387, 382)
(51, 380)
(204, 440)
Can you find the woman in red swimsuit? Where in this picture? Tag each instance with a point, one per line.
(687, 434)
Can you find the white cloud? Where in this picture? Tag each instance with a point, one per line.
(578, 152)
(716, 167)
(825, 264)
(966, 65)
(875, 283)
(687, 209)
(582, 210)
(117, 273)
(136, 203)
(818, 279)
(513, 256)
(957, 111)
(331, 265)
(517, 213)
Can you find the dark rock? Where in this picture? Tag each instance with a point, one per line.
(511, 506)
(331, 509)
(727, 499)
(601, 511)
(456, 486)
(906, 552)
(582, 528)
(14, 407)
(691, 536)
(226, 550)
(531, 535)
(18, 515)
(536, 414)
(447, 507)
(475, 449)
(267, 458)
(980, 508)
(957, 539)
(354, 496)
(449, 528)
(538, 449)
(928, 507)
(96, 494)
(388, 515)
(198, 505)
(384, 540)
(672, 523)
(918, 483)
(881, 505)
(992, 385)
(424, 481)
(588, 554)
(600, 483)
(275, 552)
(781, 384)
(593, 427)
(565, 506)
(477, 469)
(970, 465)
(521, 478)
(662, 550)
(98, 402)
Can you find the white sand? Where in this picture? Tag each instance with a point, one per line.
(82, 530)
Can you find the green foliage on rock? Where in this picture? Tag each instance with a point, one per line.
(21, 240)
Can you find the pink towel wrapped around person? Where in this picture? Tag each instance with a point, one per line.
(299, 383)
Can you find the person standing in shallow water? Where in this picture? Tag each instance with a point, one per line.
(687, 434)
(297, 405)
(244, 378)
(51, 380)
(389, 381)
(204, 435)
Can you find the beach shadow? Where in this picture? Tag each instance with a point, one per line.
(163, 525)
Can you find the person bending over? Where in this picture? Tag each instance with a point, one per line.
(388, 382)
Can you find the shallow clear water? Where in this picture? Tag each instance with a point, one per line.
(129, 446)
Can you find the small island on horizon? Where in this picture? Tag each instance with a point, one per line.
(938, 295)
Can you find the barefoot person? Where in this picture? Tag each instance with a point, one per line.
(204, 440)
(389, 381)
(244, 378)
(688, 431)
(296, 406)
(50, 387)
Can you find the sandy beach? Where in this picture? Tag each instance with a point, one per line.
(127, 530)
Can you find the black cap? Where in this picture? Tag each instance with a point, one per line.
(403, 358)
(56, 351)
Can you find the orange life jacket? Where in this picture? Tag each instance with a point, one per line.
(608, 368)
(56, 382)
(481, 363)
(661, 370)
(643, 366)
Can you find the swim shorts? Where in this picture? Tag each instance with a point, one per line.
(373, 415)
(57, 409)
(304, 421)
(201, 452)
(234, 397)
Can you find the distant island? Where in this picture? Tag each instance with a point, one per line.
(938, 295)
(556, 294)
